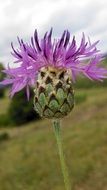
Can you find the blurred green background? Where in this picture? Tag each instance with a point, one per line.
(28, 151)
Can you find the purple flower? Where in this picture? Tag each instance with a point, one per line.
(59, 53)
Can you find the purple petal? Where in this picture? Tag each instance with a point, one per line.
(37, 41)
(60, 53)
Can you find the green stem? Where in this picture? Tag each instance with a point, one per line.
(56, 125)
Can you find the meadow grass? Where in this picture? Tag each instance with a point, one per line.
(4, 103)
(29, 158)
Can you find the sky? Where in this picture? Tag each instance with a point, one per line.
(22, 17)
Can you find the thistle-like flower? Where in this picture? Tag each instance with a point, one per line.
(51, 66)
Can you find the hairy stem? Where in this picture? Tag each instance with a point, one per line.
(56, 125)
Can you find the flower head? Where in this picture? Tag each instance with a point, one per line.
(58, 53)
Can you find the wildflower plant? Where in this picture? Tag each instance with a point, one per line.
(51, 66)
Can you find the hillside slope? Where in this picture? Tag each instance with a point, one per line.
(29, 159)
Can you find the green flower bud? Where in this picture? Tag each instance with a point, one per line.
(54, 95)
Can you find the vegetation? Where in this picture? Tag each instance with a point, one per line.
(5, 120)
(29, 159)
(19, 110)
(4, 136)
